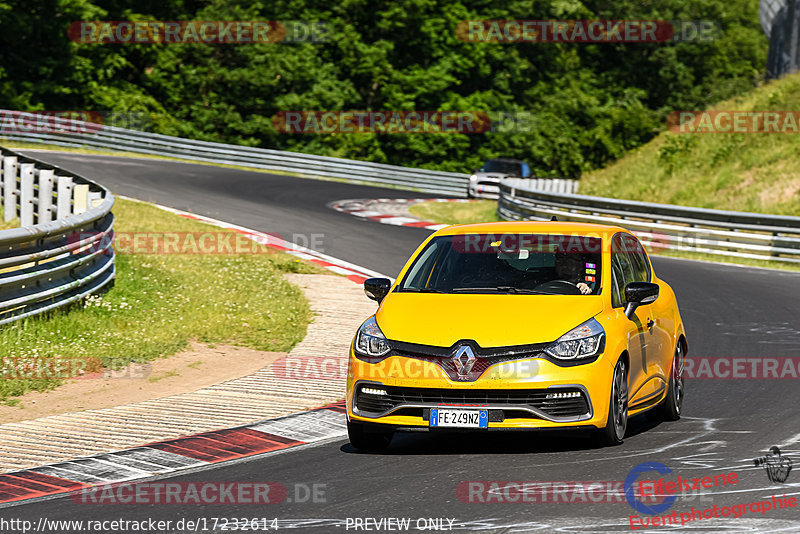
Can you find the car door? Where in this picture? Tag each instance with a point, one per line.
(639, 336)
(659, 320)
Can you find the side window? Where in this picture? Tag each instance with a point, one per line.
(616, 280)
(641, 268)
(622, 269)
(421, 270)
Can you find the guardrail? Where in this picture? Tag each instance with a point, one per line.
(81, 134)
(662, 226)
(552, 185)
(62, 252)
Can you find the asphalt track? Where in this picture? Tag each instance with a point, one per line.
(728, 311)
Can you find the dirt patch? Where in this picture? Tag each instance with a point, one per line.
(749, 179)
(198, 367)
(780, 191)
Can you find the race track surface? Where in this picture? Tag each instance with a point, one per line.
(728, 311)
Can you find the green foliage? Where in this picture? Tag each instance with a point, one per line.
(674, 147)
(592, 103)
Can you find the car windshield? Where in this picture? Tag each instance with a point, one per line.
(505, 167)
(507, 263)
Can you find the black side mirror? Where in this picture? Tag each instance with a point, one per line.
(377, 288)
(638, 293)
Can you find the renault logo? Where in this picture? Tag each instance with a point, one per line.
(464, 360)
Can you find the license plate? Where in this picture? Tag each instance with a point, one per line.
(441, 417)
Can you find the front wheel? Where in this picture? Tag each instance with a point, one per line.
(366, 438)
(617, 422)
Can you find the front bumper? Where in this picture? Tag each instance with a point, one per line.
(524, 393)
(480, 190)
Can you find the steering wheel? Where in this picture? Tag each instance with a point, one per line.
(561, 287)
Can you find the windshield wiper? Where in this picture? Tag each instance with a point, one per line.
(512, 289)
(422, 290)
(498, 289)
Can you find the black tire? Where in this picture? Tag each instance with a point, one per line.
(369, 438)
(673, 403)
(617, 423)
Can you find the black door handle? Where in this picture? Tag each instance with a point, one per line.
(650, 323)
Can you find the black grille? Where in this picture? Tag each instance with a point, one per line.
(373, 403)
(535, 398)
(484, 357)
(495, 354)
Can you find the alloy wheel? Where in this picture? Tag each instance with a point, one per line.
(620, 400)
(677, 378)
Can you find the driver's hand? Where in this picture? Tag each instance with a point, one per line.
(584, 288)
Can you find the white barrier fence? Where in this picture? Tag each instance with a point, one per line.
(62, 250)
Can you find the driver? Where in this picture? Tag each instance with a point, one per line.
(570, 268)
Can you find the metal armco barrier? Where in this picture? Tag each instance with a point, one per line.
(662, 226)
(77, 133)
(62, 252)
(552, 185)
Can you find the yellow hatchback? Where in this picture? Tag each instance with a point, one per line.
(517, 325)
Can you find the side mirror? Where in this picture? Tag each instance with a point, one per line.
(638, 293)
(377, 288)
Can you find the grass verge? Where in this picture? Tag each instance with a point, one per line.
(161, 302)
(456, 212)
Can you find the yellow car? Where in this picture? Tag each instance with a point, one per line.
(517, 325)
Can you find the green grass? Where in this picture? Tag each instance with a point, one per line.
(456, 212)
(5, 225)
(742, 172)
(161, 302)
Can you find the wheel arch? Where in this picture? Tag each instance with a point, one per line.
(627, 358)
(684, 343)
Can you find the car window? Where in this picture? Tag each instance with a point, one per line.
(419, 274)
(505, 167)
(621, 268)
(616, 282)
(512, 263)
(641, 268)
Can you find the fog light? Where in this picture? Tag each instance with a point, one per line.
(373, 391)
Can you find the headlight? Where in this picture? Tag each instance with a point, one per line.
(583, 341)
(370, 341)
(473, 178)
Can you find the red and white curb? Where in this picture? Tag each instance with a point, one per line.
(392, 211)
(173, 455)
(353, 272)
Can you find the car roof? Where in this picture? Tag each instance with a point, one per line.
(533, 227)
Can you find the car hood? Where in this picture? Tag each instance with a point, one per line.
(491, 320)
